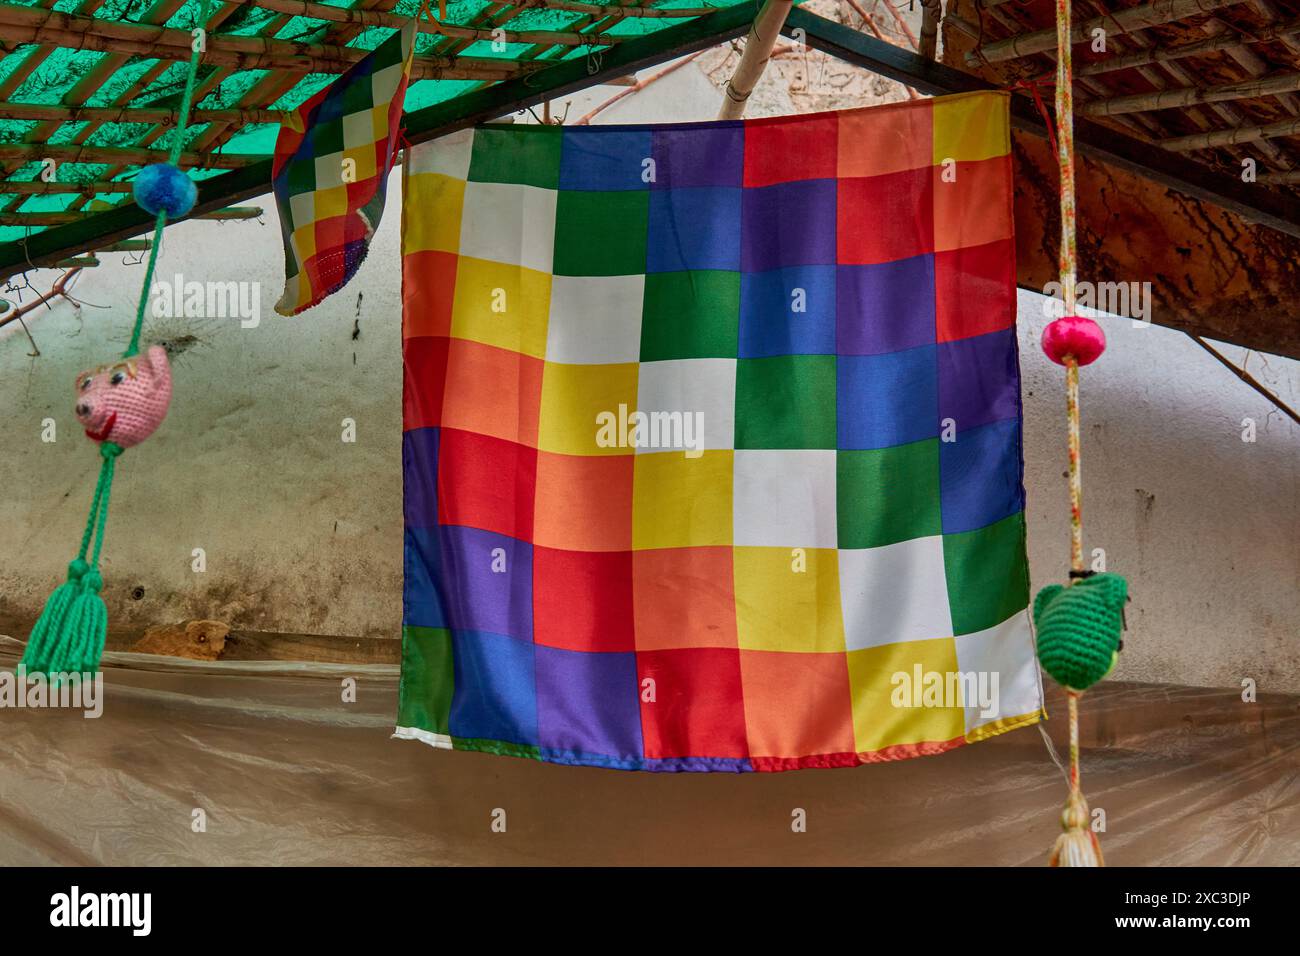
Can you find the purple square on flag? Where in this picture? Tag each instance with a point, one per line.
(790, 224)
(489, 580)
(979, 381)
(588, 701)
(696, 156)
(420, 477)
(885, 308)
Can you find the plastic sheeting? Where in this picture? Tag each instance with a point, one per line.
(286, 772)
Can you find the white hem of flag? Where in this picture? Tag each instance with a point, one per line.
(442, 741)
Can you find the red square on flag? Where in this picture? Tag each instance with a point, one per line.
(787, 148)
(885, 218)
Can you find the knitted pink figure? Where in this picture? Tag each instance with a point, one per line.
(124, 402)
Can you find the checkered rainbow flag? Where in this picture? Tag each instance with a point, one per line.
(712, 446)
(330, 172)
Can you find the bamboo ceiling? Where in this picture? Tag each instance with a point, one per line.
(94, 84)
(1217, 81)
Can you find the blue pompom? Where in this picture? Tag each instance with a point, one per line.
(164, 188)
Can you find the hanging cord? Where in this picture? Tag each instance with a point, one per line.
(99, 507)
(173, 156)
(1033, 87)
(1078, 845)
(69, 635)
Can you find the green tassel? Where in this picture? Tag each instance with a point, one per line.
(69, 635)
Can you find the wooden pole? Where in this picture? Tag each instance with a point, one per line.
(758, 50)
(1121, 21)
(1191, 95)
(1231, 137)
(928, 44)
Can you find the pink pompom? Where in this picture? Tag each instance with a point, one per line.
(1075, 336)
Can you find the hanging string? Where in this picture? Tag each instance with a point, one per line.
(69, 635)
(173, 156)
(1068, 264)
(1033, 87)
(1077, 845)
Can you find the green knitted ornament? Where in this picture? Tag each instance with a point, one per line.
(68, 637)
(1079, 628)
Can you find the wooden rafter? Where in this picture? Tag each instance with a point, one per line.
(1193, 95)
(384, 18)
(242, 52)
(29, 152)
(1121, 21)
(125, 114)
(64, 218)
(1181, 51)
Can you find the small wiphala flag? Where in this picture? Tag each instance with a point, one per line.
(332, 161)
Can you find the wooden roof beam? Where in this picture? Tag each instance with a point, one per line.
(629, 10)
(1179, 51)
(385, 18)
(309, 60)
(1247, 133)
(1121, 21)
(230, 213)
(34, 187)
(29, 25)
(30, 152)
(1193, 95)
(126, 114)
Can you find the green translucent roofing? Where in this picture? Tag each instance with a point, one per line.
(44, 74)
